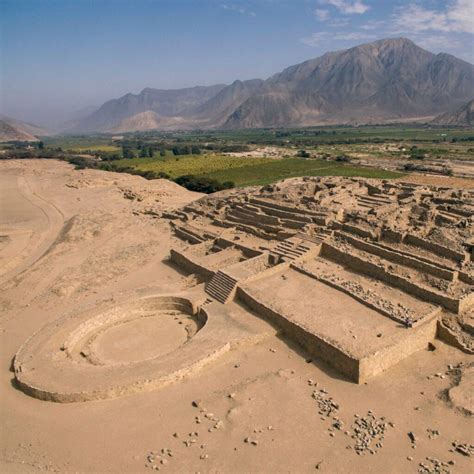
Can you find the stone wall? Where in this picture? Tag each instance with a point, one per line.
(189, 264)
(247, 251)
(391, 235)
(414, 340)
(352, 229)
(360, 265)
(373, 301)
(311, 343)
(400, 258)
(435, 248)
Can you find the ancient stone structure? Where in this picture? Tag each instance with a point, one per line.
(359, 273)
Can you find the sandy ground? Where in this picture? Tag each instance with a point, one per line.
(73, 240)
(433, 180)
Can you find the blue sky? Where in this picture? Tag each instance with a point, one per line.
(58, 56)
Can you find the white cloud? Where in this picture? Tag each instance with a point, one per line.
(457, 17)
(438, 42)
(348, 7)
(238, 9)
(321, 14)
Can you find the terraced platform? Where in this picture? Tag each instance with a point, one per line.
(349, 335)
(358, 272)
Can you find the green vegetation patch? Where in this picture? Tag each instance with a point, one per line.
(276, 170)
(192, 164)
(84, 149)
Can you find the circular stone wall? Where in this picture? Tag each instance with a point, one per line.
(114, 351)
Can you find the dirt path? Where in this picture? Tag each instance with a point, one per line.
(29, 222)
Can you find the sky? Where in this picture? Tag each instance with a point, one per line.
(58, 57)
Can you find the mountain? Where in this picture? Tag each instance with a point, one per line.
(166, 103)
(217, 109)
(463, 116)
(16, 130)
(387, 79)
(391, 79)
(148, 120)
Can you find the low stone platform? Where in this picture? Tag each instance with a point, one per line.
(348, 335)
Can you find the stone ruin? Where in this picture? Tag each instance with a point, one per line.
(360, 273)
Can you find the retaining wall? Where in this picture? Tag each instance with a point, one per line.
(414, 340)
(187, 263)
(400, 258)
(466, 278)
(185, 235)
(368, 268)
(372, 305)
(311, 343)
(359, 231)
(248, 251)
(357, 370)
(392, 235)
(449, 336)
(291, 210)
(241, 218)
(435, 248)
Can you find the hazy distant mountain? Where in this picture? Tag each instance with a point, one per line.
(386, 80)
(166, 103)
(16, 130)
(148, 120)
(217, 109)
(463, 116)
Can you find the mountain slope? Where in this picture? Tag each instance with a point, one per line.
(166, 103)
(463, 116)
(16, 130)
(148, 120)
(217, 109)
(389, 79)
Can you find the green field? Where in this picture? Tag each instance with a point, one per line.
(321, 135)
(365, 151)
(82, 144)
(85, 149)
(251, 171)
(267, 173)
(192, 164)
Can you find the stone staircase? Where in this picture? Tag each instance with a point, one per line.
(221, 287)
(291, 250)
(207, 302)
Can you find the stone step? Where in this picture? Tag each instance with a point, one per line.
(221, 287)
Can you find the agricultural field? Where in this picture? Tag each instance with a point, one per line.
(263, 156)
(82, 144)
(193, 164)
(275, 170)
(250, 171)
(321, 135)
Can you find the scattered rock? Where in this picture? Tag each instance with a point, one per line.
(368, 431)
(465, 449)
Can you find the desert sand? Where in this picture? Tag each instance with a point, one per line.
(117, 358)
